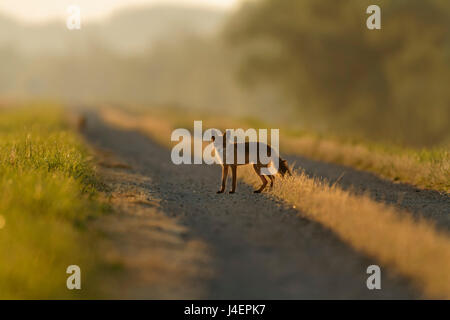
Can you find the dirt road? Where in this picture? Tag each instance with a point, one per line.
(257, 247)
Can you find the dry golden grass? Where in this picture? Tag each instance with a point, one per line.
(413, 248)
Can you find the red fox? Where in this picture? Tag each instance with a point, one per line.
(222, 150)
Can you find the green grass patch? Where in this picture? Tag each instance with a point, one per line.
(47, 193)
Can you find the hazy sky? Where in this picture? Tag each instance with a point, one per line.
(40, 10)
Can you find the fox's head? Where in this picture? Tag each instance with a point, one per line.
(219, 139)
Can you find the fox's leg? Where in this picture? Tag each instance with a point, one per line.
(272, 179)
(234, 173)
(224, 178)
(263, 180)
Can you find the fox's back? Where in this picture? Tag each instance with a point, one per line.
(245, 153)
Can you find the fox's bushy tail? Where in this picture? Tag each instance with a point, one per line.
(284, 168)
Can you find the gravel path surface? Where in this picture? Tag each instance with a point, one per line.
(259, 248)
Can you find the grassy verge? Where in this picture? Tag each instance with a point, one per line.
(47, 190)
(426, 168)
(423, 168)
(413, 248)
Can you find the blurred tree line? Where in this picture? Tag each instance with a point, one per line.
(306, 63)
(152, 57)
(390, 84)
